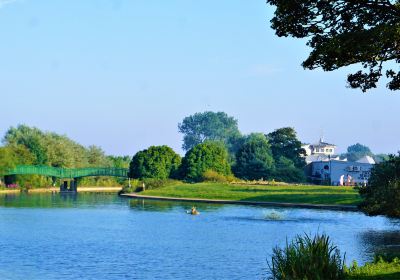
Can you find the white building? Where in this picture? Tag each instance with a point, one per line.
(320, 148)
(324, 167)
(338, 172)
(321, 151)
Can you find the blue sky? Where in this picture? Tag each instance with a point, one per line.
(121, 74)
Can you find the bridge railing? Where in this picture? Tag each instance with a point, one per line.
(67, 172)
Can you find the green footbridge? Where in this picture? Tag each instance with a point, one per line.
(67, 174)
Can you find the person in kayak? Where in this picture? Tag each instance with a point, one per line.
(194, 211)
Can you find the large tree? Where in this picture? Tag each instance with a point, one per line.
(342, 33)
(284, 143)
(357, 151)
(254, 158)
(205, 157)
(160, 162)
(31, 138)
(209, 126)
(382, 194)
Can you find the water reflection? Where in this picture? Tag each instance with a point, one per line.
(158, 238)
(171, 206)
(56, 200)
(383, 242)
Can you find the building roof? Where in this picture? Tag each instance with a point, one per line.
(322, 143)
(321, 157)
(366, 159)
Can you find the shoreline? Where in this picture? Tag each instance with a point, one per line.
(57, 190)
(350, 208)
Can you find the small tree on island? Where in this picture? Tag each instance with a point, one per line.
(159, 162)
(204, 157)
(382, 194)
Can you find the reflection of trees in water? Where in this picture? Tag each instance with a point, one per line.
(166, 206)
(381, 242)
(57, 200)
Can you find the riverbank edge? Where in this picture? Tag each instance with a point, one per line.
(57, 190)
(351, 208)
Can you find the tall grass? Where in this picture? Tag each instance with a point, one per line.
(307, 258)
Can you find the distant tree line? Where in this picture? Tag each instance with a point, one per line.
(213, 142)
(357, 151)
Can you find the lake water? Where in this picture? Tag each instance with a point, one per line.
(103, 236)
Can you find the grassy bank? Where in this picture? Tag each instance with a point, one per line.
(378, 270)
(267, 193)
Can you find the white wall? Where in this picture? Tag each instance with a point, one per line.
(335, 169)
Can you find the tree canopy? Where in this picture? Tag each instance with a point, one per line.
(382, 194)
(159, 162)
(49, 148)
(13, 155)
(209, 126)
(357, 151)
(284, 143)
(342, 33)
(204, 157)
(254, 158)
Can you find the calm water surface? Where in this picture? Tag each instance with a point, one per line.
(102, 236)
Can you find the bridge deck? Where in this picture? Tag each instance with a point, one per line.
(67, 173)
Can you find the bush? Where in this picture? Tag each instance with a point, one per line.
(158, 162)
(382, 194)
(204, 157)
(213, 176)
(254, 158)
(286, 171)
(307, 258)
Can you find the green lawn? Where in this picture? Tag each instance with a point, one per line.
(376, 271)
(243, 192)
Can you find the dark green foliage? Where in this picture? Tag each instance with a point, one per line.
(254, 159)
(203, 157)
(381, 157)
(382, 194)
(307, 258)
(209, 126)
(160, 162)
(341, 33)
(357, 151)
(284, 143)
(285, 171)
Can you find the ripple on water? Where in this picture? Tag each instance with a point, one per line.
(102, 236)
